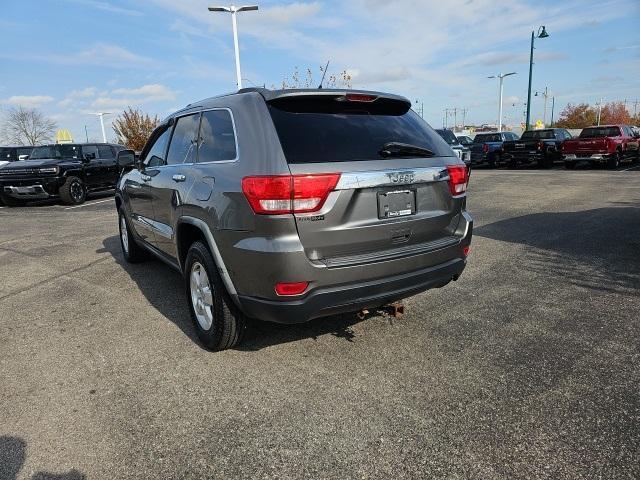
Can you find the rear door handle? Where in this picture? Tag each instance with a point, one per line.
(179, 178)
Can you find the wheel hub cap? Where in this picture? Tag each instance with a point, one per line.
(201, 295)
(124, 235)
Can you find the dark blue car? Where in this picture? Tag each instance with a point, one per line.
(487, 148)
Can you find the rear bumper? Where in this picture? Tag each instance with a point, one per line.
(351, 288)
(597, 157)
(526, 156)
(353, 297)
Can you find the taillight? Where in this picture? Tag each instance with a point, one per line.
(279, 194)
(284, 289)
(540, 146)
(458, 178)
(485, 148)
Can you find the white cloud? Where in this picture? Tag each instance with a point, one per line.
(149, 92)
(107, 7)
(29, 101)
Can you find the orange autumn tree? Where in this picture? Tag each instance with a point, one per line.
(133, 128)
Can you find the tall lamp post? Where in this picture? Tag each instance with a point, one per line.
(500, 77)
(542, 33)
(233, 10)
(101, 115)
(545, 94)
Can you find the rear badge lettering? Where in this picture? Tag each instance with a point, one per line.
(313, 218)
(402, 177)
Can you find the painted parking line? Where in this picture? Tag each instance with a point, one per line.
(89, 204)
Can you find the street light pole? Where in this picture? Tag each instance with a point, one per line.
(542, 33)
(101, 115)
(553, 106)
(233, 10)
(500, 77)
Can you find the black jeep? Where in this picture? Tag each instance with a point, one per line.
(67, 171)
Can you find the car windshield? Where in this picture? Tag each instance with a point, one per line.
(537, 134)
(316, 128)
(594, 132)
(492, 137)
(448, 136)
(55, 151)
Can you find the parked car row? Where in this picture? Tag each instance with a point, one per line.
(65, 171)
(607, 144)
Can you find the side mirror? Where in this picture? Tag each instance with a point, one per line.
(126, 159)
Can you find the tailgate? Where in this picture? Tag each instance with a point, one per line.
(379, 204)
(376, 209)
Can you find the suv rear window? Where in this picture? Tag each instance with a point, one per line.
(325, 128)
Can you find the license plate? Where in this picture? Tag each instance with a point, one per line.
(519, 145)
(397, 203)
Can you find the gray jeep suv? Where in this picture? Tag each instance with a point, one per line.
(290, 205)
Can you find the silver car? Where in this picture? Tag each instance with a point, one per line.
(290, 205)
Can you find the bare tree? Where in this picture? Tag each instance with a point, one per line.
(27, 126)
(133, 128)
(332, 80)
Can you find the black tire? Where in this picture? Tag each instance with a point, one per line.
(569, 165)
(11, 202)
(613, 161)
(131, 250)
(636, 158)
(491, 161)
(548, 161)
(513, 163)
(73, 192)
(227, 322)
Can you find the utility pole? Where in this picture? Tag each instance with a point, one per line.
(545, 94)
(464, 116)
(455, 118)
(553, 106)
(86, 133)
(233, 10)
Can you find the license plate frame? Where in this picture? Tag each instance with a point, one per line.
(396, 203)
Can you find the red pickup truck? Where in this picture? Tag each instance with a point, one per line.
(608, 143)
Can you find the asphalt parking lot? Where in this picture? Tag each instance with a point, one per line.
(527, 367)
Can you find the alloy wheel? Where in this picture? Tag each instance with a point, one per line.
(201, 295)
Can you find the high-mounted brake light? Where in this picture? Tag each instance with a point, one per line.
(360, 97)
(280, 194)
(291, 288)
(458, 179)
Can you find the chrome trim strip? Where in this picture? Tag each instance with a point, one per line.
(157, 227)
(391, 177)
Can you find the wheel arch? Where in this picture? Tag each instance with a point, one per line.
(190, 229)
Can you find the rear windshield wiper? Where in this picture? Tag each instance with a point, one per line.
(397, 149)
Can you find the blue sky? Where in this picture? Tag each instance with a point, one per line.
(73, 57)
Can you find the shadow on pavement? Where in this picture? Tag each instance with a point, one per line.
(595, 249)
(13, 453)
(163, 287)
